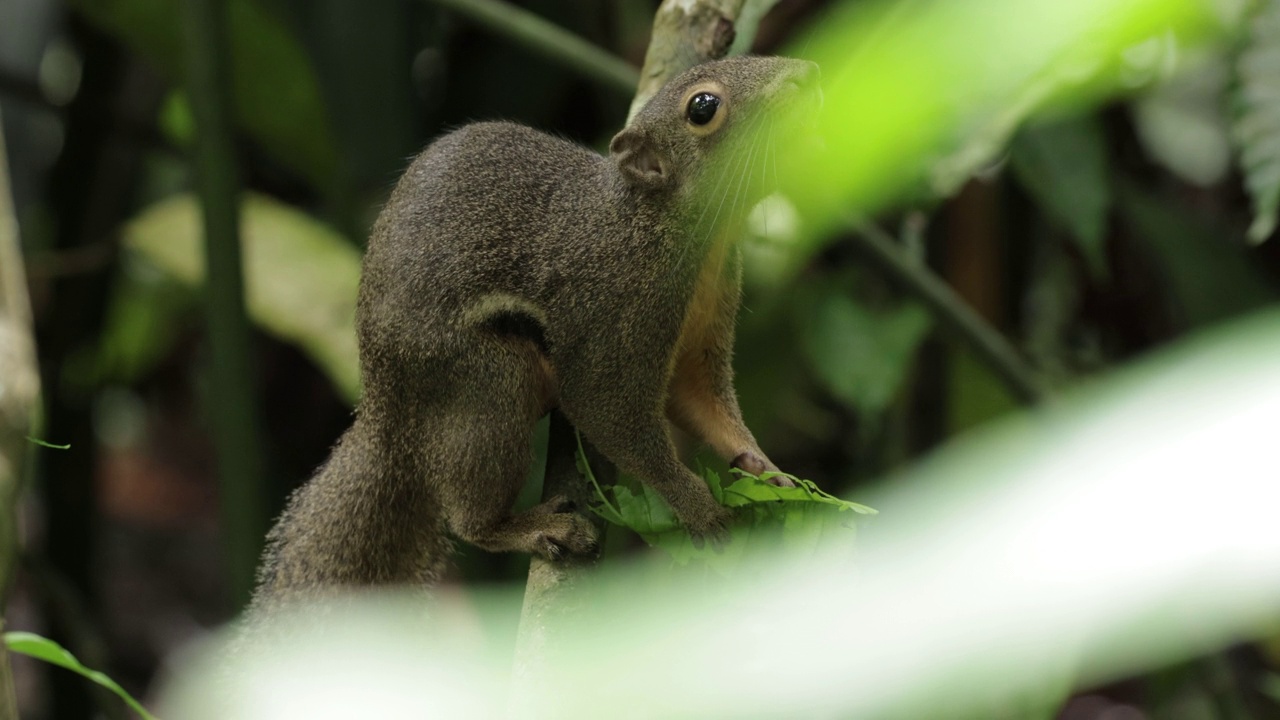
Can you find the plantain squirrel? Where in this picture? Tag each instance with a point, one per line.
(511, 272)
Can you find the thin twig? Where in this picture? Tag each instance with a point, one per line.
(549, 40)
(986, 342)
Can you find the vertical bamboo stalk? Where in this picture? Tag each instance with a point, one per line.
(232, 399)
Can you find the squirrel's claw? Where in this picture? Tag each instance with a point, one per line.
(754, 463)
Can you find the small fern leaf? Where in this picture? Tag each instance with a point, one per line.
(1257, 117)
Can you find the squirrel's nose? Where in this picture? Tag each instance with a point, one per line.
(808, 75)
(805, 79)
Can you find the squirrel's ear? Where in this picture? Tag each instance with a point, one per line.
(636, 157)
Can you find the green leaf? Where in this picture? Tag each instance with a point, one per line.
(145, 317)
(749, 489)
(1064, 165)
(51, 652)
(1211, 276)
(1257, 123)
(301, 277)
(277, 96)
(976, 396)
(862, 355)
(177, 120)
(797, 518)
(42, 443)
(1183, 123)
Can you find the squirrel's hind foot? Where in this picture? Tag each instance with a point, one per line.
(566, 534)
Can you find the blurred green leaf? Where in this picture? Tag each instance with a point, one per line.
(144, 316)
(176, 119)
(1183, 123)
(1211, 277)
(1064, 165)
(1257, 126)
(301, 277)
(951, 74)
(49, 651)
(975, 395)
(277, 96)
(862, 354)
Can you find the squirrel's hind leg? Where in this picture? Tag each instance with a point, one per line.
(489, 449)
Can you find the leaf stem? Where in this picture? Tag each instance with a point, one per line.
(591, 476)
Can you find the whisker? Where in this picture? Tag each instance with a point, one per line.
(745, 179)
(748, 171)
(738, 167)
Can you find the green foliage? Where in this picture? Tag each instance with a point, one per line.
(1064, 165)
(799, 519)
(46, 444)
(1210, 276)
(951, 85)
(301, 276)
(975, 396)
(862, 354)
(1257, 126)
(1183, 122)
(277, 96)
(144, 318)
(51, 652)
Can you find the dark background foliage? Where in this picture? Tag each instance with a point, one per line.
(1092, 240)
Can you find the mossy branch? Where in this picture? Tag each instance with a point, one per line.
(691, 32)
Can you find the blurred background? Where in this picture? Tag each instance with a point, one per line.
(1083, 240)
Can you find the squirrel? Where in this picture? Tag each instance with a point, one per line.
(512, 272)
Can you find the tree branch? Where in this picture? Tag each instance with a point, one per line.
(549, 40)
(551, 595)
(691, 32)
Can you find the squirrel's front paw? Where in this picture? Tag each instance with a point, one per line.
(711, 526)
(756, 464)
(566, 534)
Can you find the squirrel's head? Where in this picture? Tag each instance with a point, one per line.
(705, 127)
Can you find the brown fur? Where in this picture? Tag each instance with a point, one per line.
(511, 272)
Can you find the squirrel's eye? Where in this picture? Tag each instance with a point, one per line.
(702, 108)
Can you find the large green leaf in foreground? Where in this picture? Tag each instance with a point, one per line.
(909, 86)
(301, 276)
